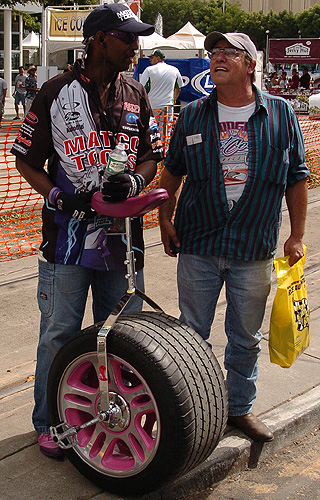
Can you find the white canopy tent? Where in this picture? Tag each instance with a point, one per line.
(32, 41)
(188, 33)
(155, 41)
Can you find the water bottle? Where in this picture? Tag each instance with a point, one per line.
(116, 162)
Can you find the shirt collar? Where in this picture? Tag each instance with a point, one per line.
(259, 99)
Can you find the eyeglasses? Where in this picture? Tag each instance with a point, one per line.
(127, 38)
(228, 52)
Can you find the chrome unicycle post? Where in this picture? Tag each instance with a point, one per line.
(132, 207)
(130, 259)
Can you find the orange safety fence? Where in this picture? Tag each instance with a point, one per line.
(20, 205)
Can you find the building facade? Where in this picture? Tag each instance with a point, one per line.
(277, 6)
(11, 29)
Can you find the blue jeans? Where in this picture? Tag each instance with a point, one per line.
(200, 279)
(62, 296)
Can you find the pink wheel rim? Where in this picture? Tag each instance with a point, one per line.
(131, 445)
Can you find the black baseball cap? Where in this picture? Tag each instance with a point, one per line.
(108, 17)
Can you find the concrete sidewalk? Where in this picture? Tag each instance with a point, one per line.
(288, 400)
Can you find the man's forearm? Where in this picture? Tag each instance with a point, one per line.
(172, 184)
(297, 201)
(147, 169)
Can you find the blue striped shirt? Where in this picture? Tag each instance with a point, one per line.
(204, 224)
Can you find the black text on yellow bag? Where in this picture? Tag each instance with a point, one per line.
(289, 332)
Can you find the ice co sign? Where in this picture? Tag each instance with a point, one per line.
(64, 23)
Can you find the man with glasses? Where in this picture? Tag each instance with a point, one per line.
(241, 150)
(77, 118)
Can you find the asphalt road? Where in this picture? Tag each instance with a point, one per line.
(291, 474)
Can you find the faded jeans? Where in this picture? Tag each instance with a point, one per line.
(200, 279)
(62, 296)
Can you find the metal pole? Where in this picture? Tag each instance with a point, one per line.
(224, 6)
(267, 51)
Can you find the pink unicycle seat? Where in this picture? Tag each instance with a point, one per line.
(131, 207)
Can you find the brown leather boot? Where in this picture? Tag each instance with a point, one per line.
(252, 427)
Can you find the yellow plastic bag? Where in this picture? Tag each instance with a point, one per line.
(289, 333)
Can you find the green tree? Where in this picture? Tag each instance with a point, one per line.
(308, 22)
(175, 13)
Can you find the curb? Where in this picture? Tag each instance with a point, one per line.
(289, 422)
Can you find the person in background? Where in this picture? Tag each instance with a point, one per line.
(31, 86)
(295, 79)
(305, 78)
(3, 94)
(240, 150)
(274, 80)
(20, 92)
(163, 83)
(75, 121)
(283, 82)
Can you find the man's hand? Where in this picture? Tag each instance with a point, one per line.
(77, 205)
(169, 238)
(294, 248)
(122, 186)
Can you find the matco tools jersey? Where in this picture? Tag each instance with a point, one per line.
(67, 127)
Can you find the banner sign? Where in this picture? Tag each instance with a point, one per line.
(66, 23)
(195, 73)
(294, 50)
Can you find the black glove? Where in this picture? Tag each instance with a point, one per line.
(121, 186)
(76, 205)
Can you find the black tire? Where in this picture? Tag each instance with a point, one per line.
(183, 388)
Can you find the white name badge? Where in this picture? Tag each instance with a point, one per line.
(194, 139)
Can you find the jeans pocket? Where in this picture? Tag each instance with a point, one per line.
(45, 289)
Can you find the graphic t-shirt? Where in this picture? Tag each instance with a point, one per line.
(234, 149)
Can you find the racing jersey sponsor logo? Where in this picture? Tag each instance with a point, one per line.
(72, 115)
(19, 148)
(155, 136)
(81, 149)
(133, 108)
(131, 118)
(74, 128)
(131, 129)
(32, 118)
(27, 129)
(22, 139)
(70, 108)
(155, 144)
(153, 124)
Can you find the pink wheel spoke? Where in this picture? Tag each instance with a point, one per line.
(124, 379)
(145, 429)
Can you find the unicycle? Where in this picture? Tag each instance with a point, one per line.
(139, 399)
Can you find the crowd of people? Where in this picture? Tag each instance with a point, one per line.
(294, 82)
(240, 150)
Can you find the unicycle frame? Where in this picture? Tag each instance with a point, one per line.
(64, 434)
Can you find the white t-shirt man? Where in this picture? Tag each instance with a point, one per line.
(161, 81)
(19, 84)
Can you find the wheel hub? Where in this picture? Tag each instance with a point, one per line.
(118, 413)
